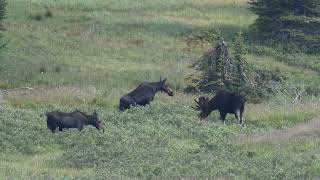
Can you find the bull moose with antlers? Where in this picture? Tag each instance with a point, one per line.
(225, 102)
(144, 94)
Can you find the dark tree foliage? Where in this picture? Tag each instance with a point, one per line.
(218, 69)
(288, 21)
(244, 78)
(3, 5)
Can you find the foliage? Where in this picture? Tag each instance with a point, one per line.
(211, 69)
(40, 15)
(98, 46)
(3, 5)
(217, 69)
(162, 139)
(267, 80)
(244, 80)
(289, 22)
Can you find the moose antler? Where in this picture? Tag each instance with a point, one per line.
(201, 103)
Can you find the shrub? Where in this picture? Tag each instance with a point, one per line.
(41, 14)
(57, 69)
(48, 13)
(36, 16)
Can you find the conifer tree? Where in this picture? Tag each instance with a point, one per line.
(3, 5)
(293, 21)
(217, 69)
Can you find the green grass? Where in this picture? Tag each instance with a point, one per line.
(164, 139)
(92, 52)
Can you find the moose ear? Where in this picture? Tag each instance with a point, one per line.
(95, 114)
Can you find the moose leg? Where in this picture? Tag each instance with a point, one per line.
(80, 128)
(223, 117)
(237, 114)
(60, 128)
(52, 128)
(241, 117)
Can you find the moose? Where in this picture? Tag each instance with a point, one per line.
(225, 102)
(144, 94)
(75, 119)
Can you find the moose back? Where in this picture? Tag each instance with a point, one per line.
(76, 119)
(144, 94)
(225, 102)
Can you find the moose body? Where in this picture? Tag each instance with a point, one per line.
(76, 119)
(143, 94)
(225, 102)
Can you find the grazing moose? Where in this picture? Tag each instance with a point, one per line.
(225, 102)
(144, 94)
(74, 119)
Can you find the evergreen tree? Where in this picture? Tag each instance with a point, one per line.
(3, 5)
(217, 69)
(213, 69)
(293, 21)
(244, 78)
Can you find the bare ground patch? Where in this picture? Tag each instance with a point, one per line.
(309, 129)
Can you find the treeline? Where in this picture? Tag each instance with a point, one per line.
(293, 22)
(3, 5)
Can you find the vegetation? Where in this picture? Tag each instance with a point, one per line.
(3, 5)
(218, 69)
(163, 139)
(89, 53)
(294, 22)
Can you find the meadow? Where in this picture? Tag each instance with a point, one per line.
(89, 53)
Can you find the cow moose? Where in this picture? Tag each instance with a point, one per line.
(76, 119)
(144, 94)
(225, 102)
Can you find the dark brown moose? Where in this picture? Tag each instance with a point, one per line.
(144, 94)
(76, 119)
(225, 102)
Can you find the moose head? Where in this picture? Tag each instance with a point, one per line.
(165, 87)
(203, 105)
(94, 121)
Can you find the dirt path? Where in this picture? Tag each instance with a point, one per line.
(309, 129)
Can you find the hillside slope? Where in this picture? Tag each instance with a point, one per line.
(89, 53)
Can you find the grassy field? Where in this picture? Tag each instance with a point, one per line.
(89, 53)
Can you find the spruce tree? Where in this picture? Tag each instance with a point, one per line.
(293, 21)
(3, 5)
(214, 69)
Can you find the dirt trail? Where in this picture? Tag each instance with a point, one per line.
(309, 129)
